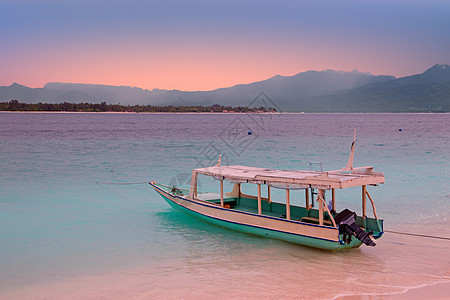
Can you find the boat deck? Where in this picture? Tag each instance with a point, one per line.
(274, 209)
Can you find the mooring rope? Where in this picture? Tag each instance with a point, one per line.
(121, 183)
(419, 235)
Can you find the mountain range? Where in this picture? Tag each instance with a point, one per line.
(310, 91)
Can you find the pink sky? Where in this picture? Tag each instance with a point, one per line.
(206, 46)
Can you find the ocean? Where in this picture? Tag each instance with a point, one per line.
(78, 221)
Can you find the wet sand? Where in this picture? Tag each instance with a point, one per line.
(124, 286)
(436, 291)
(399, 267)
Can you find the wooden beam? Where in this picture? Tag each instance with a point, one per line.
(221, 193)
(307, 198)
(320, 199)
(364, 193)
(259, 200)
(320, 206)
(268, 194)
(373, 205)
(288, 205)
(193, 190)
(333, 200)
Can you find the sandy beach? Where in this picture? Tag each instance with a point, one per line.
(438, 291)
(174, 280)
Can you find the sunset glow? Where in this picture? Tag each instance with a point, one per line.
(204, 45)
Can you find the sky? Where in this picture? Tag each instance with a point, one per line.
(205, 44)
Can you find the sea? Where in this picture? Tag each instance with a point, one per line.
(78, 219)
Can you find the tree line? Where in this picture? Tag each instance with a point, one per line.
(15, 105)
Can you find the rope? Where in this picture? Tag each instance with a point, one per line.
(419, 235)
(167, 186)
(121, 183)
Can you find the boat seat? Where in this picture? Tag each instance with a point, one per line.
(314, 221)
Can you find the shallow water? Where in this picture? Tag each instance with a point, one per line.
(61, 230)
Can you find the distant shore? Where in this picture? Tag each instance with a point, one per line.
(15, 105)
(221, 113)
(132, 112)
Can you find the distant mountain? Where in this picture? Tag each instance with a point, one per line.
(426, 92)
(311, 91)
(310, 83)
(287, 88)
(29, 95)
(110, 94)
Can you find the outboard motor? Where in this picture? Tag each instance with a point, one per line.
(346, 220)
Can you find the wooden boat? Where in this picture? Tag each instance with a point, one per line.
(320, 227)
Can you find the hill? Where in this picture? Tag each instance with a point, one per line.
(311, 91)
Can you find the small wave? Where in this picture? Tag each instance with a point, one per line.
(403, 290)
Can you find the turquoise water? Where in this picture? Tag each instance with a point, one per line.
(60, 227)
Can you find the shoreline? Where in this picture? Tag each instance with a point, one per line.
(226, 113)
(132, 112)
(437, 290)
(133, 283)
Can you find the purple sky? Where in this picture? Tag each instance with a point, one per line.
(203, 45)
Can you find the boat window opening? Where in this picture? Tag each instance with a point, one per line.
(347, 198)
(207, 184)
(251, 189)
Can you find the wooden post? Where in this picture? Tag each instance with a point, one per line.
(333, 200)
(288, 205)
(373, 205)
(324, 205)
(221, 193)
(319, 194)
(193, 191)
(364, 192)
(239, 192)
(259, 199)
(269, 198)
(307, 198)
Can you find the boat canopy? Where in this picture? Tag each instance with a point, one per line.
(338, 179)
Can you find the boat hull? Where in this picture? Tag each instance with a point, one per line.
(311, 235)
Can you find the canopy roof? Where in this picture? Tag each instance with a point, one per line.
(295, 179)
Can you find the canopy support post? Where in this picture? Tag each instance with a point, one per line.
(221, 193)
(373, 205)
(322, 205)
(364, 214)
(307, 198)
(333, 200)
(259, 199)
(193, 190)
(288, 205)
(319, 199)
(269, 198)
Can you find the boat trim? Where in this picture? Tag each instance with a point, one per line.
(247, 213)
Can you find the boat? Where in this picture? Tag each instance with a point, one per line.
(318, 227)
